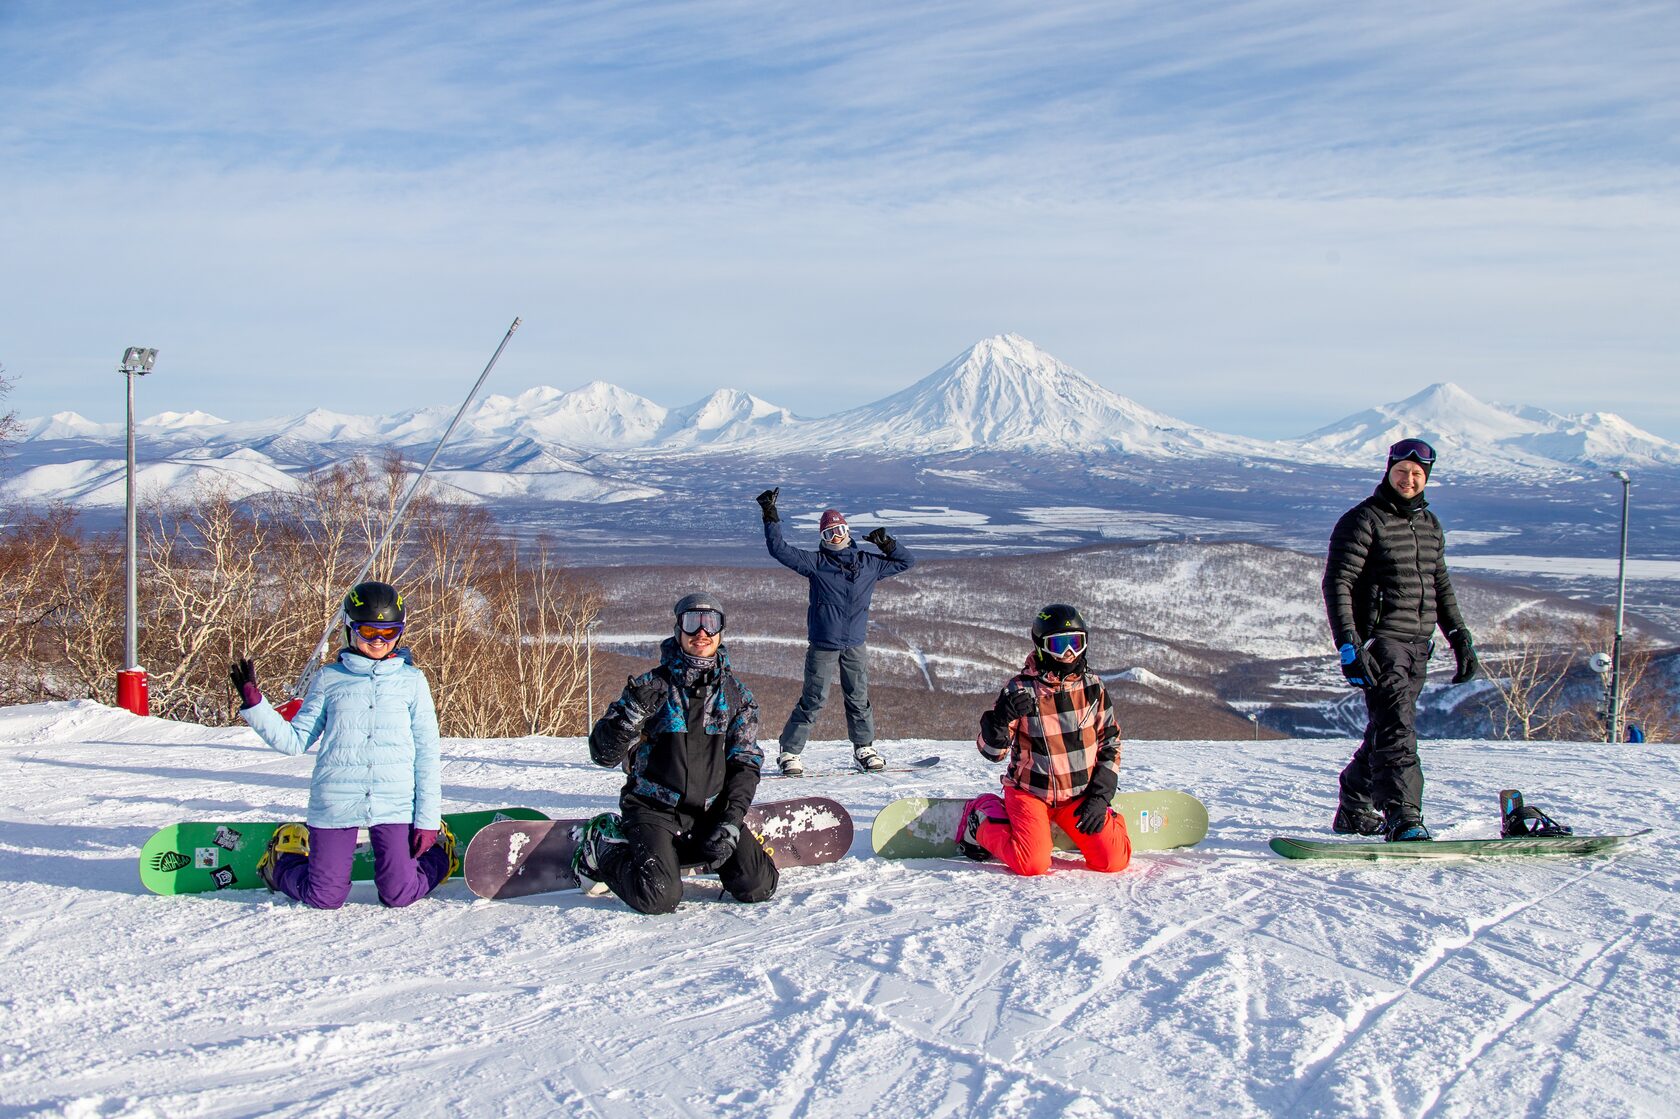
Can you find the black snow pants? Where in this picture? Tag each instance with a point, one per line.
(647, 871)
(1385, 774)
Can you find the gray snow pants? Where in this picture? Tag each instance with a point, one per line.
(820, 668)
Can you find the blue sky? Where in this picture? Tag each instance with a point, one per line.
(1255, 216)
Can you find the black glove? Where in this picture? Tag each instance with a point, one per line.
(881, 540)
(767, 502)
(1357, 666)
(720, 845)
(1012, 704)
(644, 698)
(1464, 652)
(243, 675)
(1093, 811)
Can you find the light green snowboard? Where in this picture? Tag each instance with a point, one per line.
(1369, 850)
(924, 828)
(196, 858)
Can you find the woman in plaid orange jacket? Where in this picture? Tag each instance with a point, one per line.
(1055, 724)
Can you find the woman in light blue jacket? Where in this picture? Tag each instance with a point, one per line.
(371, 713)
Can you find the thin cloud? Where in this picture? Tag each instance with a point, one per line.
(818, 205)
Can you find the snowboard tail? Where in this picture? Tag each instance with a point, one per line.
(198, 857)
(517, 859)
(1292, 848)
(926, 828)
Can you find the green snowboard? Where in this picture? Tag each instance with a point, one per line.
(195, 858)
(1450, 848)
(922, 828)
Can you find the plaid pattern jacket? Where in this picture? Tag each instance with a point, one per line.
(1058, 749)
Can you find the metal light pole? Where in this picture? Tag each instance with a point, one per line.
(1621, 602)
(132, 693)
(589, 672)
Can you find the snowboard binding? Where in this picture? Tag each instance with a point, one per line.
(1519, 821)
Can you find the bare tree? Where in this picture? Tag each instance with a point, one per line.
(1526, 669)
(499, 632)
(1646, 701)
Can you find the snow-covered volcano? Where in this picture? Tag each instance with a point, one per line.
(1005, 393)
(1474, 436)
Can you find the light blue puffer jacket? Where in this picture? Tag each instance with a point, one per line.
(378, 735)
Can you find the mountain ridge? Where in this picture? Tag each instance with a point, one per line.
(1004, 395)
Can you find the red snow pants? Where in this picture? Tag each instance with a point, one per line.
(1024, 844)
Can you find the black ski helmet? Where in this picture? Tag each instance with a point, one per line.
(1058, 617)
(699, 600)
(372, 602)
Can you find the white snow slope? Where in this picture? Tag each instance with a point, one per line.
(1216, 981)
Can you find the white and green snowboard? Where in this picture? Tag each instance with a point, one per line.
(926, 828)
(1291, 848)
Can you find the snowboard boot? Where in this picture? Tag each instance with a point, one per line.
(868, 759)
(1407, 831)
(594, 839)
(1356, 821)
(986, 806)
(1518, 821)
(288, 839)
(791, 765)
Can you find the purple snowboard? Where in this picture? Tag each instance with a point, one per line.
(515, 858)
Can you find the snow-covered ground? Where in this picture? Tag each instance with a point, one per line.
(1217, 981)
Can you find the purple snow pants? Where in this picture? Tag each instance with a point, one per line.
(321, 880)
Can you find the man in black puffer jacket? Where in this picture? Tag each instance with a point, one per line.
(686, 733)
(1385, 590)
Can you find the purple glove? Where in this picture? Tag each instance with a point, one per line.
(243, 675)
(420, 840)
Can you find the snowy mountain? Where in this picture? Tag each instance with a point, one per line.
(1005, 393)
(1473, 436)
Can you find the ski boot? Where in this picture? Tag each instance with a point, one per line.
(1356, 821)
(594, 839)
(868, 759)
(288, 839)
(1519, 821)
(791, 765)
(986, 806)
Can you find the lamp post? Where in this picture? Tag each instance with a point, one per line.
(589, 672)
(1615, 728)
(132, 693)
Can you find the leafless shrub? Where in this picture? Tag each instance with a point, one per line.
(499, 632)
(1527, 672)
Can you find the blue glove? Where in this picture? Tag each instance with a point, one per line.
(1357, 666)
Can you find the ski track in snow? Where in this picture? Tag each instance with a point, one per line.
(1219, 980)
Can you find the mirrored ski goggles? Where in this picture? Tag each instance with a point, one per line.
(1415, 449)
(374, 631)
(835, 534)
(701, 621)
(1061, 644)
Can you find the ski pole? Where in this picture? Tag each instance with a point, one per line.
(391, 527)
